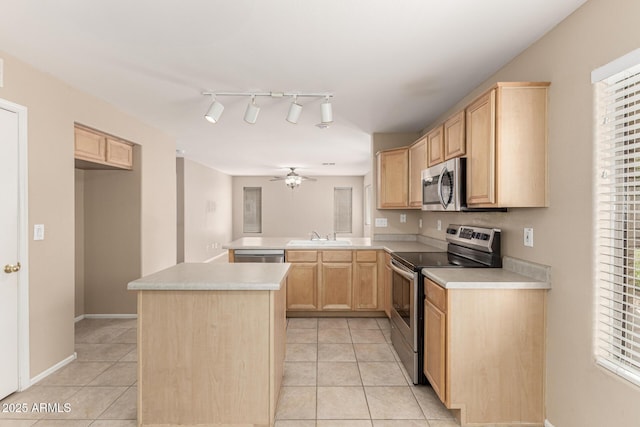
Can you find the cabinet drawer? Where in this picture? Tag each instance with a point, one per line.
(302, 256)
(366, 256)
(436, 294)
(337, 256)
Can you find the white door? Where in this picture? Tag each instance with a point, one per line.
(9, 252)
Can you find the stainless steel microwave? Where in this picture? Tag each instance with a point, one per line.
(443, 186)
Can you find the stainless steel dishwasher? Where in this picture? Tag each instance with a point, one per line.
(258, 255)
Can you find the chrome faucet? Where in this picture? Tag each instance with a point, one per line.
(315, 233)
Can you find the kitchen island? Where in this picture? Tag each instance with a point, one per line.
(211, 344)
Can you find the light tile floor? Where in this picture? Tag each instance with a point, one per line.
(345, 373)
(338, 373)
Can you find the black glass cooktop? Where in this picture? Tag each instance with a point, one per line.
(419, 260)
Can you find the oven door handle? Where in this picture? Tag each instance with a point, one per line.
(407, 275)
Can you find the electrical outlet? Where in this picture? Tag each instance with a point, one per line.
(420, 223)
(439, 224)
(381, 222)
(403, 218)
(528, 237)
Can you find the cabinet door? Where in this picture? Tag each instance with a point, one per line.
(435, 147)
(481, 147)
(417, 162)
(393, 178)
(336, 286)
(366, 286)
(119, 153)
(454, 141)
(434, 348)
(302, 286)
(89, 146)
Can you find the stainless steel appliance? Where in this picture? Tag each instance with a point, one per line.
(468, 247)
(444, 187)
(258, 255)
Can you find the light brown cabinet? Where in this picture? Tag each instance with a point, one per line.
(96, 150)
(336, 280)
(435, 327)
(417, 162)
(393, 178)
(435, 146)
(506, 143)
(454, 136)
(484, 352)
(302, 281)
(366, 284)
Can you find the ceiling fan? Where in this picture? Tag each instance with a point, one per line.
(292, 179)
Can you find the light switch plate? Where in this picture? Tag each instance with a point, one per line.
(381, 222)
(528, 237)
(439, 224)
(403, 218)
(38, 232)
(1, 72)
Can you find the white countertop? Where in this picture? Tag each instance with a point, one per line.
(482, 278)
(357, 243)
(214, 276)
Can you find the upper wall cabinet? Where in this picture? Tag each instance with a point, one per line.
(417, 162)
(507, 147)
(393, 178)
(454, 136)
(95, 150)
(435, 146)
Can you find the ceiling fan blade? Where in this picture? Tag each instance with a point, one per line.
(278, 178)
(306, 178)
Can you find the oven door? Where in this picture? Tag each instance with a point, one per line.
(404, 319)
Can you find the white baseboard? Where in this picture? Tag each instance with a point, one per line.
(107, 316)
(79, 318)
(52, 369)
(547, 423)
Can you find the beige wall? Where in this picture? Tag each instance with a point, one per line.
(386, 141)
(205, 210)
(298, 212)
(578, 393)
(79, 242)
(53, 107)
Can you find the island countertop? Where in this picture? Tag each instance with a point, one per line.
(214, 276)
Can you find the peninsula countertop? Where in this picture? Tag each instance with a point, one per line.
(357, 243)
(214, 277)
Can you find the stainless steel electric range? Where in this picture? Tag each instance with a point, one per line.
(468, 247)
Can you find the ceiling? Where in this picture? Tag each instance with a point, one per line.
(392, 65)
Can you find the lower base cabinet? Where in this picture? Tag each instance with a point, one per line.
(210, 357)
(484, 353)
(335, 281)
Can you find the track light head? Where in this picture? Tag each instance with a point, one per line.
(214, 112)
(251, 114)
(295, 110)
(326, 111)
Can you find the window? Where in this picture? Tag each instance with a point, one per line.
(252, 210)
(617, 344)
(342, 217)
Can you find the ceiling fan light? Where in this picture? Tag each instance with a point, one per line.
(251, 113)
(214, 112)
(326, 112)
(295, 110)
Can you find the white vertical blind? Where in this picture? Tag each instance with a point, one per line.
(252, 210)
(617, 343)
(342, 206)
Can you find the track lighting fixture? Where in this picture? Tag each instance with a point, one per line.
(251, 113)
(214, 112)
(326, 111)
(293, 115)
(295, 110)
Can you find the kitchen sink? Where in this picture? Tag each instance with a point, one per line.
(319, 242)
